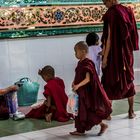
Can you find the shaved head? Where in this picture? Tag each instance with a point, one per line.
(109, 3)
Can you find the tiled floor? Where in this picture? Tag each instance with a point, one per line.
(120, 127)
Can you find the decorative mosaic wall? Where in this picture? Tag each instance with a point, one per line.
(20, 18)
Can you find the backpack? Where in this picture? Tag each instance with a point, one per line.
(4, 110)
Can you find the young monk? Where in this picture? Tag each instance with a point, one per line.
(94, 105)
(120, 40)
(54, 108)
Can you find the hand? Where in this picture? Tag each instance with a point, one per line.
(104, 63)
(75, 87)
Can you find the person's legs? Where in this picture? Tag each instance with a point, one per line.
(131, 113)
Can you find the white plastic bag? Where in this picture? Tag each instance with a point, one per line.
(72, 104)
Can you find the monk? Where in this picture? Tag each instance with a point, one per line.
(54, 107)
(93, 105)
(119, 39)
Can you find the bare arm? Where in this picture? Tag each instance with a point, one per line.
(3, 91)
(8, 89)
(106, 50)
(82, 83)
(48, 101)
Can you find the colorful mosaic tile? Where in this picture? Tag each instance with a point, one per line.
(54, 20)
(53, 2)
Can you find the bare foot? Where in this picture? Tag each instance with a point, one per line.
(109, 118)
(131, 114)
(103, 129)
(48, 117)
(77, 133)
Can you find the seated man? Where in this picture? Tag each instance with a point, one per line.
(54, 107)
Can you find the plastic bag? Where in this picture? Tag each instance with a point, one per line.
(28, 92)
(72, 104)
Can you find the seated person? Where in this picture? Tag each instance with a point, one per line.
(4, 104)
(54, 107)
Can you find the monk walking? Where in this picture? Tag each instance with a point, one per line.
(120, 39)
(93, 105)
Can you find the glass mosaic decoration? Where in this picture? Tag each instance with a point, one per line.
(10, 3)
(27, 18)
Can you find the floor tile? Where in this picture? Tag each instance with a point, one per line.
(120, 127)
(14, 137)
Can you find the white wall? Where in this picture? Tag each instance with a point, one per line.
(23, 57)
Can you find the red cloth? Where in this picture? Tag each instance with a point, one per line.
(118, 76)
(94, 105)
(54, 88)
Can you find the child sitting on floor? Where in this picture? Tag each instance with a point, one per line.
(54, 107)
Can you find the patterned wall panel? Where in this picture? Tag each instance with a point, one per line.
(44, 20)
(53, 2)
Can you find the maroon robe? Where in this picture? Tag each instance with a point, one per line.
(94, 105)
(118, 76)
(54, 88)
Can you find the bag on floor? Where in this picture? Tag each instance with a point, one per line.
(4, 110)
(72, 104)
(28, 92)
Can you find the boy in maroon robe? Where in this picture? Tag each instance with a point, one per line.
(120, 39)
(56, 99)
(94, 105)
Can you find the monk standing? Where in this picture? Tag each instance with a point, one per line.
(120, 39)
